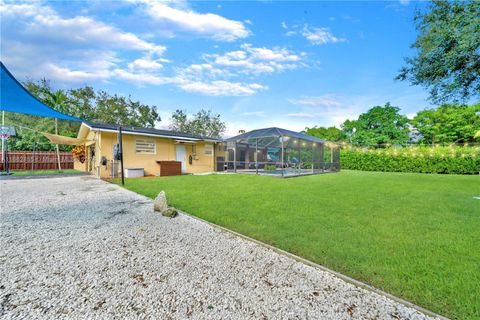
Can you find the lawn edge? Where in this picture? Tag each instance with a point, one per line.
(310, 263)
(43, 176)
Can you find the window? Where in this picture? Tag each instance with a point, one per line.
(145, 147)
(208, 150)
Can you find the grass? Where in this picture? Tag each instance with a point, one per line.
(42, 172)
(416, 236)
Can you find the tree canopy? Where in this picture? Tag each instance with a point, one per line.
(447, 58)
(448, 124)
(329, 134)
(204, 123)
(379, 126)
(83, 103)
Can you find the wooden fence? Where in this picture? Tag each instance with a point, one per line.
(38, 160)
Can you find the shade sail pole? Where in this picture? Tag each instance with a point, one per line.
(58, 151)
(120, 146)
(256, 155)
(281, 137)
(235, 158)
(3, 142)
(313, 157)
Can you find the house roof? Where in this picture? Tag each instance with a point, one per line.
(148, 132)
(274, 132)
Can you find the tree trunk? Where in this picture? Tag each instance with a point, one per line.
(58, 151)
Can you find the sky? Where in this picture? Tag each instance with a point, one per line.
(256, 63)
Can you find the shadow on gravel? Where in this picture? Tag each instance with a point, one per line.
(43, 176)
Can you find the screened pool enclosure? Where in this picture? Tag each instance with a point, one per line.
(279, 152)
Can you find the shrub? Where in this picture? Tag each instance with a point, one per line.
(453, 160)
(270, 167)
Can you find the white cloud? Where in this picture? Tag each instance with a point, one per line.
(327, 100)
(213, 78)
(41, 43)
(141, 78)
(404, 2)
(319, 36)
(301, 115)
(44, 24)
(146, 63)
(253, 113)
(331, 109)
(204, 24)
(202, 71)
(256, 60)
(275, 54)
(57, 73)
(222, 88)
(316, 36)
(284, 25)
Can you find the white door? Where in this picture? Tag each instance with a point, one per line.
(180, 156)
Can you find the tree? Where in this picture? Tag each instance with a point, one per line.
(448, 123)
(329, 134)
(203, 123)
(58, 100)
(179, 121)
(379, 126)
(447, 59)
(29, 127)
(83, 103)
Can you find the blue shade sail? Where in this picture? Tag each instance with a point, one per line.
(15, 98)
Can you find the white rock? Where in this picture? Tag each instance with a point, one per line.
(160, 203)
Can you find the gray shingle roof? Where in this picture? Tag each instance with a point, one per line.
(274, 132)
(149, 131)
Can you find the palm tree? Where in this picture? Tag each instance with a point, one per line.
(57, 100)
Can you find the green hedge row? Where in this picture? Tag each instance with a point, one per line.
(453, 160)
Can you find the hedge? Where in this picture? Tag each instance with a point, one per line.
(447, 160)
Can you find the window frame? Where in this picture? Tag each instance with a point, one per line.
(210, 148)
(146, 141)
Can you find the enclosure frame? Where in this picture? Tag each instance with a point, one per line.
(278, 152)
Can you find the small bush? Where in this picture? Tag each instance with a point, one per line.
(270, 167)
(453, 160)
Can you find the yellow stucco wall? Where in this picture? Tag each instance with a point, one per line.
(165, 150)
(200, 161)
(77, 165)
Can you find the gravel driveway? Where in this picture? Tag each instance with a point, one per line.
(80, 248)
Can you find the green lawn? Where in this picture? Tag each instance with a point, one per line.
(416, 236)
(42, 172)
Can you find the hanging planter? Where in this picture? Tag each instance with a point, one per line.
(79, 153)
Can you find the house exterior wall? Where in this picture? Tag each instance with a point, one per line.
(77, 165)
(86, 165)
(164, 150)
(201, 162)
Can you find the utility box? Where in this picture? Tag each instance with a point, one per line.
(134, 172)
(170, 168)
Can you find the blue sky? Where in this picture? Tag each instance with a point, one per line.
(257, 63)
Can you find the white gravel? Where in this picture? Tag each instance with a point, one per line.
(80, 248)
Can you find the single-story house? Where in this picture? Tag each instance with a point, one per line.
(144, 148)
